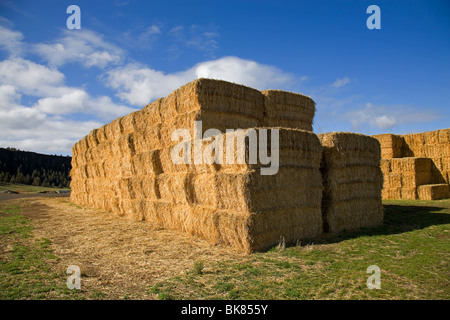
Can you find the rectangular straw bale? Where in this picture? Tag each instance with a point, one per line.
(126, 145)
(224, 97)
(114, 129)
(210, 120)
(251, 192)
(128, 123)
(414, 179)
(444, 136)
(445, 162)
(175, 188)
(146, 164)
(150, 116)
(394, 180)
(101, 135)
(409, 193)
(393, 193)
(385, 166)
(167, 165)
(125, 167)
(145, 141)
(92, 139)
(433, 191)
(391, 145)
(416, 143)
(431, 137)
(287, 109)
(168, 107)
(297, 148)
(389, 153)
(411, 164)
(205, 190)
(255, 231)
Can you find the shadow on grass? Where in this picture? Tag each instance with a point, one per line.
(399, 219)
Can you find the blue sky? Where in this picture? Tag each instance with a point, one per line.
(58, 84)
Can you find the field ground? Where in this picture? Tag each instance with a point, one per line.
(121, 259)
(26, 189)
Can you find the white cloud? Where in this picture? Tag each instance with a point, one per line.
(47, 136)
(138, 85)
(79, 101)
(11, 41)
(83, 46)
(29, 77)
(8, 96)
(384, 122)
(386, 117)
(20, 117)
(71, 102)
(340, 82)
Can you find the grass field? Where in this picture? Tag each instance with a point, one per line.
(411, 248)
(24, 188)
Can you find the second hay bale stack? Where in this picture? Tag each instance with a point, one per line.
(352, 180)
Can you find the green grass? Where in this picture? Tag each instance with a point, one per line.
(25, 262)
(412, 249)
(24, 188)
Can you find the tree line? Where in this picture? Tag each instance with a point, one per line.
(35, 169)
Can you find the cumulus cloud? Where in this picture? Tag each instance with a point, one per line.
(41, 127)
(49, 135)
(84, 46)
(138, 85)
(29, 77)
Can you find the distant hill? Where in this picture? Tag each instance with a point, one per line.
(36, 169)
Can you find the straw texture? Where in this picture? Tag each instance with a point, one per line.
(126, 167)
(426, 162)
(352, 181)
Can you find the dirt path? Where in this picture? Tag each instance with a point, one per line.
(116, 256)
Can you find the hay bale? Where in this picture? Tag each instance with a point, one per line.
(352, 180)
(394, 193)
(433, 191)
(391, 145)
(409, 193)
(411, 164)
(289, 110)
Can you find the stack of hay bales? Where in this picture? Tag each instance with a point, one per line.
(234, 204)
(352, 181)
(434, 145)
(402, 176)
(126, 167)
(422, 170)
